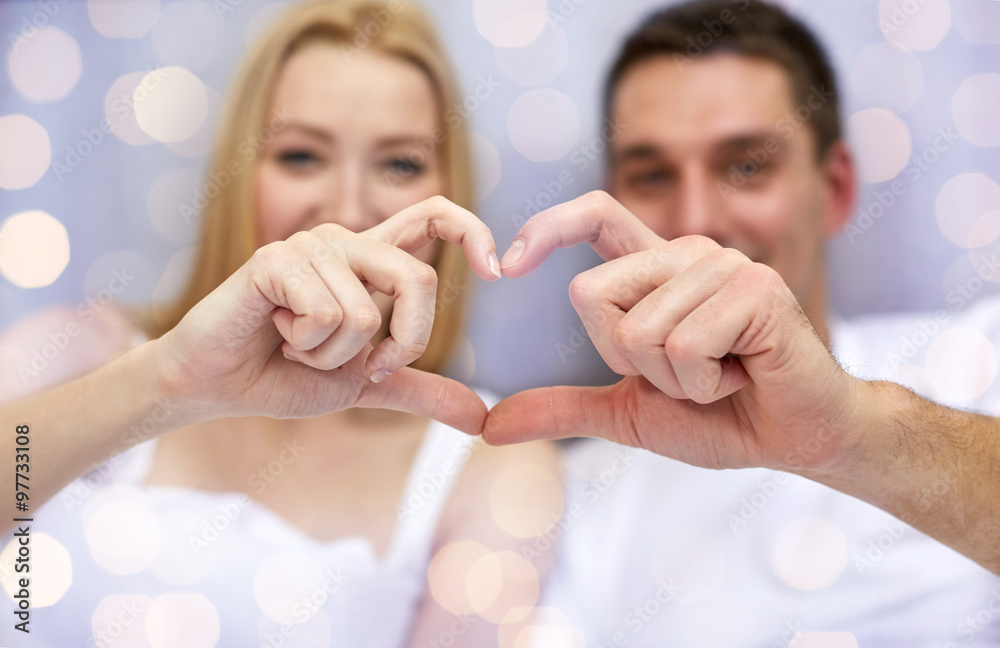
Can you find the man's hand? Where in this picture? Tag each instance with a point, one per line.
(722, 368)
(288, 334)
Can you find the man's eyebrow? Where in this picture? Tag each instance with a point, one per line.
(639, 152)
(740, 144)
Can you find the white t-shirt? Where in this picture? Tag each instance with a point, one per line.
(658, 553)
(172, 567)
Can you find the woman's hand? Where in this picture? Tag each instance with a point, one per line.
(287, 335)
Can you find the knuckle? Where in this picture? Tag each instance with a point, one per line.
(424, 275)
(600, 199)
(680, 347)
(697, 243)
(629, 336)
(580, 290)
(367, 320)
(729, 256)
(437, 203)
(328, 316)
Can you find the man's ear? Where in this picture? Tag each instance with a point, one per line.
(840, 186)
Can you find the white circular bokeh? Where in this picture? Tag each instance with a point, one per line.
(976, 109)
(881, 143)
(543, 125)
(123, 536)
(117, 19)
(46, 66)
(968, 210)
(914, 24)
(51, 570)
(34, 249)
(25, 152)
(963, 363)
(171, 104)
(510, 23)
(809, 553)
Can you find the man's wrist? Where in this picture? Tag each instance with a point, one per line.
(868, 435)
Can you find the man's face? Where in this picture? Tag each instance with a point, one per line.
(715, 147)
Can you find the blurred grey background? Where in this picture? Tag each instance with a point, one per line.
(909, 71)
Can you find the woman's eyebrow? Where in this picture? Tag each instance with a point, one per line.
(424, 140)
(312, 131)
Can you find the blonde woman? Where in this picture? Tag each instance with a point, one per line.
(249, 530)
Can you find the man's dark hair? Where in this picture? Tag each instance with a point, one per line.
(747, 28)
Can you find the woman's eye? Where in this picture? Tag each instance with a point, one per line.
(403, 167)
(297, 159)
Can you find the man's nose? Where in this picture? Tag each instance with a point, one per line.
(699, 207)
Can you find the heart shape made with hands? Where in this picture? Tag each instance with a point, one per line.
(721, 367)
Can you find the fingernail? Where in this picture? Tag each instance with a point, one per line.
(288, 357)
(513, 255)
(494, 265)
(380, 374)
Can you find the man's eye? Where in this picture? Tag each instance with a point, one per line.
(297, 159)
(403, 167)
(649, 178)
(747, 168)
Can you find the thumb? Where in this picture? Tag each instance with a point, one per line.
(426, 394)
(553, 413)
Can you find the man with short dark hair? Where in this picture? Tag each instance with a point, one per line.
(733, 153)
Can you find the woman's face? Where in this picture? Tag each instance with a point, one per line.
(359, 145)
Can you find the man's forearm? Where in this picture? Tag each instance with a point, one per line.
(933, 467)
(73, 427)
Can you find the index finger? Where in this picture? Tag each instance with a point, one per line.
(419, 225)
(594, 218)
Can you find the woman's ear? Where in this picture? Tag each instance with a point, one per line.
(840, 188)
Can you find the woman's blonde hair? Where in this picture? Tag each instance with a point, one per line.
(228, 230)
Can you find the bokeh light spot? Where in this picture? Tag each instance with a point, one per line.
(117, 19)
(809, 553)
(25, 151)
(963, 363)
(51, 570)
(46, 66)
(34, 249)
(510, 23)
(881, 142)
(976, 109)
(968, 210)
(543, 125)
(914, 25)
(171, 104)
